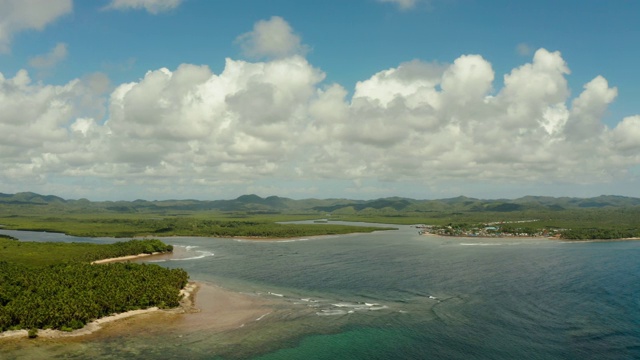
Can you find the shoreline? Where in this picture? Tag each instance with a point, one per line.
(597, 240)
(297, 238)
(552, 238)
(186, 305)
(489, 237)
(125, 258)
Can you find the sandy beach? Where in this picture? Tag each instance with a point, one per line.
(216, 309)
(219, 309)
(186, 305)
(125, 258)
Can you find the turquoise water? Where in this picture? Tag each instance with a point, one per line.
(397, 295)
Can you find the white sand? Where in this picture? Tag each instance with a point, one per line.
(124, 258)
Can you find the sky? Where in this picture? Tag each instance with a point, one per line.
(359, 99)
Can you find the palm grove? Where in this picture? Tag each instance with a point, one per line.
(61, 289)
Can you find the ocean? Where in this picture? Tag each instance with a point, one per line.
(388, 295)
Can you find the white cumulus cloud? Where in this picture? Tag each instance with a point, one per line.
(273, 38)
(240, 121)
(420, 122)
(449, 124)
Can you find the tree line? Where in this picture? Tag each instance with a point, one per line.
(600, 234)
(176, 226)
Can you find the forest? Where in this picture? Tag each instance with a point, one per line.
(55, 286)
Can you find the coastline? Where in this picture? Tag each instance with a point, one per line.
(552, 238)
(125, 258)
(217, 309)
(186, 305)
(428, 234)
(296, 238)
(598, 240)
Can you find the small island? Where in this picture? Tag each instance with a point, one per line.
(58, 286)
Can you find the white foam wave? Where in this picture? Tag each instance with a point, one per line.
(203, 254)
(331, 312)
(348, 305)
(480, 244)
(261, 317)
(360, 306)
(290, 240)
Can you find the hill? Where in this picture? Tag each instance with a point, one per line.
(255, 204)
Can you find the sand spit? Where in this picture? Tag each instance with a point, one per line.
(220, 309)
(125, 258)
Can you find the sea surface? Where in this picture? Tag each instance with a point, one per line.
(393, 295)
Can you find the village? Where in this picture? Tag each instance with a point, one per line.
(492, 229)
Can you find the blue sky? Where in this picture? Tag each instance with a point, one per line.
(161, 99)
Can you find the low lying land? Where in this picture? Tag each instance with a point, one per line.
(186, 305)
(100, 225)
(54, 286)
(32, 254)
(250, 216)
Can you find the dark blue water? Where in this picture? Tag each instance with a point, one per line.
(392, 295)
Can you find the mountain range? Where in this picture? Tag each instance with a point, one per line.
(276, 204)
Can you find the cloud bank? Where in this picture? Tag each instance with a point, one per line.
(420, 122)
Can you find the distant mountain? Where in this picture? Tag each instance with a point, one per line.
(30, 198)
(274, 204)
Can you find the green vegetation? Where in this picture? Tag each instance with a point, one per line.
(138, 225)
(597, 234)
(67, 296)
(53, 285)
(603, 217)
(573, 224)
(44, 254)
